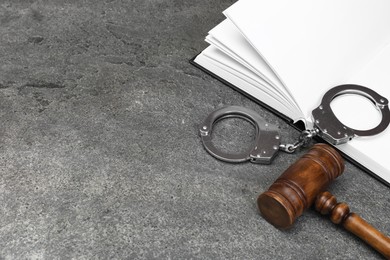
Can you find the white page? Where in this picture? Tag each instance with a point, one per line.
(238, 66)
(313, 45)
(229, 39)
(366, 150)
(214, 60)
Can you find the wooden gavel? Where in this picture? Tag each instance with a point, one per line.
(303, 184)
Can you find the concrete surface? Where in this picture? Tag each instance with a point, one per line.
(99, 152)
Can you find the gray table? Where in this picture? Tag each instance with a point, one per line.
(100, 156)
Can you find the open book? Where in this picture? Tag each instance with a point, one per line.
(288, 54)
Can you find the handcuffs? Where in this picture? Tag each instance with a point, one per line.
(268, 141)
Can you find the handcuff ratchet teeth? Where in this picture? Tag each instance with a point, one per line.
(267, 142)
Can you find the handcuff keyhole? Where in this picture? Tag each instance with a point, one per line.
(233, 135)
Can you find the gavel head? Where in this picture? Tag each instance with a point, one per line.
(296, 189)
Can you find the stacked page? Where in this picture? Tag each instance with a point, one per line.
(288, 54)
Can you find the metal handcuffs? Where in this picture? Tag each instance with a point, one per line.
(267, 142)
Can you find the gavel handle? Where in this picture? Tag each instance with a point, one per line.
(326, 203)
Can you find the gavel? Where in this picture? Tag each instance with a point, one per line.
(304, 184)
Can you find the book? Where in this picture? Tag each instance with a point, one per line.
(288, 54)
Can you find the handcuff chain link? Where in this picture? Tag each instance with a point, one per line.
(304, 140)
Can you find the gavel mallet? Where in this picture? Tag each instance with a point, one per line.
(303, 184)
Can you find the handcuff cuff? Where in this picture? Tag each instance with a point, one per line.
(267, 142)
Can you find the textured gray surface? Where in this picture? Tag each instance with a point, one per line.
(99, 152)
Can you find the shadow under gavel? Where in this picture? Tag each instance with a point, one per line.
(304, 184)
